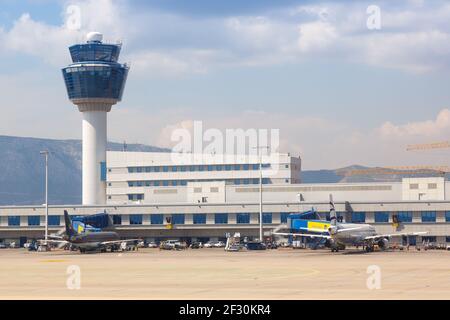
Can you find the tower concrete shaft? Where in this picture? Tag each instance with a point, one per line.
(94, 157)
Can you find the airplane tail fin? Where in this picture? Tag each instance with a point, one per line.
(333, 217)
(69, 227)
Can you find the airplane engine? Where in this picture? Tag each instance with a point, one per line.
(383, 244)
(332, 230)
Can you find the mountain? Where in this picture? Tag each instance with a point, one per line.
(22, 169)
(361, 174)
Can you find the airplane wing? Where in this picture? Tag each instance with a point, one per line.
(53, 241)
(107, 243)
(302, 235)
(55, 237)
(395, 235)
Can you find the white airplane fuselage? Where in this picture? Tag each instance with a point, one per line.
(355, 235)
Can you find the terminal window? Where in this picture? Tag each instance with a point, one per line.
(34, 220)
(381, 217)
(14, 221)
(429, 239)
(429, 216)
(243, 218)
(199, 218)
(178, 218)
(447, 216)
(284, 216)
(358, 217)
(404, 216)
(54, 220)
(135, 218)
(221, 218)
(156, 219)
(117, 219)
(135, 197)
(267, 218)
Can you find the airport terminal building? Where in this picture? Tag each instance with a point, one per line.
(159, 196)
(151, 197)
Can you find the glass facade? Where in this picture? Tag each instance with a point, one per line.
(267, 218)
(136, 197)
(381, 217)
(221, 218)
(54, 220)
(117, 219)
(178, 218)
(284, 216)
(171, 183)
(13, 221)
(447, 216)
(194, 168)
(95, 52)
(34, 220)
(358, 217)
(243, 218)
(157, 219)
(428, 239)
(428, 216)
(95, 72)
(135, 218)
(404, 216)
(96, 81)
(199, 218)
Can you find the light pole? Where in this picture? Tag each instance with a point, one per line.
(45, 153)
(260, 192)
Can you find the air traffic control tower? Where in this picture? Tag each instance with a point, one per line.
(95, 82)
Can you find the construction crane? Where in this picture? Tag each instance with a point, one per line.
(405, 170)
(428, 146)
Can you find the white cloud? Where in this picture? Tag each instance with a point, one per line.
(169, 45)
(38, 39)
(414, 37)
(440, 127)
(321, 142)
(316, 35)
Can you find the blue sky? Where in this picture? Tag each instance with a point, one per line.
(311, 69)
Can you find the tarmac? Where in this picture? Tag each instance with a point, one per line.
(211, 274)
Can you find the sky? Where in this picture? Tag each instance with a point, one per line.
(339, 92)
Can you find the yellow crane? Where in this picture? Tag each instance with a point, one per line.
(406, 170)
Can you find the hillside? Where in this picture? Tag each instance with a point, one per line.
(22, 169)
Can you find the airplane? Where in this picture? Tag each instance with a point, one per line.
(338, 235)
(88, 241)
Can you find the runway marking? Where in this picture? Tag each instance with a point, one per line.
(53, 260)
